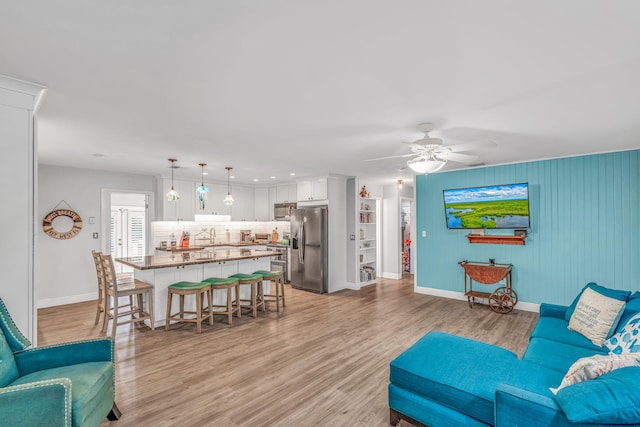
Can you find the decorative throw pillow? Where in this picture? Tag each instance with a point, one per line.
(588, 368)
(627, 339)
(596, 316)
(611, 293)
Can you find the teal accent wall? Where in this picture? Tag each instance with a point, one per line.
(585, 226)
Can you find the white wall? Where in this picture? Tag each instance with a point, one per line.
(18, 104)
(64, 268)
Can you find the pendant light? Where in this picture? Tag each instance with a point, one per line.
(228, 200)
(172, 195)
(400, 184)
(202, 190)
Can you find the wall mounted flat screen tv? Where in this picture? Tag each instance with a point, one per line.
(495, 206)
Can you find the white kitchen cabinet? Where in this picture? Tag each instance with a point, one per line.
(261, 204)
(312, 189)
(273, 196)
(184, 208)
(242, 208)
(215, 200)
(287, 193)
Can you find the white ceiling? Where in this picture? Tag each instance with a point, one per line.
(313, 87)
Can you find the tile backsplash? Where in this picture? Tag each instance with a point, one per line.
(172, 230)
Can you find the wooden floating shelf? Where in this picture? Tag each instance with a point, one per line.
(496, 240)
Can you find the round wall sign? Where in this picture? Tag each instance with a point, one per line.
(47, 224)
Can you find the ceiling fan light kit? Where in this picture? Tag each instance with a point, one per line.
(430, 154)
(429, 164)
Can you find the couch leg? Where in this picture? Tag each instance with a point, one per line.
(115, 413)
(394, 417)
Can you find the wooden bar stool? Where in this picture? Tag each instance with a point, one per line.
(257, 295)
(277, 278)
(227, 285)
(200, 290)
(116, 289)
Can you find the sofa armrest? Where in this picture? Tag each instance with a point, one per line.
(553, 310)
(517, 406)
(37, 403)
(66, 354)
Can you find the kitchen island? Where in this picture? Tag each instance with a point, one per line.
(164, 270)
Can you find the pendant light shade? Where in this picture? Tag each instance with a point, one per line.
(202, 190)
(426, 164)
(172, 195)
(229, 199)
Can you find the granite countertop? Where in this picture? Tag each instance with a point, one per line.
(192, 258)
(212, 245)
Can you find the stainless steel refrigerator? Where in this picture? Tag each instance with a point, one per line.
(309, 244)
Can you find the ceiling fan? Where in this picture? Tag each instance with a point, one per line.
(430, 154)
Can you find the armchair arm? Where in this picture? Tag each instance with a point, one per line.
(65, 354)
(40, 403)
(552, 310)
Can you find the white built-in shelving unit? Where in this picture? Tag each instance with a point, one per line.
(368, 240)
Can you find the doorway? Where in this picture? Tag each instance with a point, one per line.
(405, 235)
(126, 232)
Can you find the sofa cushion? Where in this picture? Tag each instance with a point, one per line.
(588, 368)
(90, 382)
(556, 355)
(596, 316)
(611, 398)
(611, 293)
(627, 340)
(8, 368)
(555, 329)
(456, 372)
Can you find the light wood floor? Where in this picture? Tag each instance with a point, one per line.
(324, 360)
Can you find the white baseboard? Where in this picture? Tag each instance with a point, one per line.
(53, 302)
(524, 306)
(395, 276)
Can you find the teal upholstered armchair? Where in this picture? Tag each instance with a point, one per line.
(68, 384)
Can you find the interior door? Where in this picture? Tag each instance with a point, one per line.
(128, 234)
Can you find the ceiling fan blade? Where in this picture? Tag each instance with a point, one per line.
(471, 146)
(390, 157)
(462, 158)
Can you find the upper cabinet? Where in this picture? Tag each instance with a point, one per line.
(286, 193)
(182, 209)
(261, 204)
(215, 201)
(312, 189)
(242, 208)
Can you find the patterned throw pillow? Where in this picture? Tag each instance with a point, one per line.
(596, 316)
(627, 340)
(588, 368)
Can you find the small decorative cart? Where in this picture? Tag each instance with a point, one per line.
(504, 298)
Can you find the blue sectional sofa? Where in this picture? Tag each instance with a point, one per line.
(446, 380)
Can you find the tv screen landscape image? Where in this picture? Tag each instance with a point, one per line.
(495, 206)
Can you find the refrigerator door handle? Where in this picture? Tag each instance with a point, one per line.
(302, 244)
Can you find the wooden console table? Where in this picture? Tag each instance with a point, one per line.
(504, 298)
